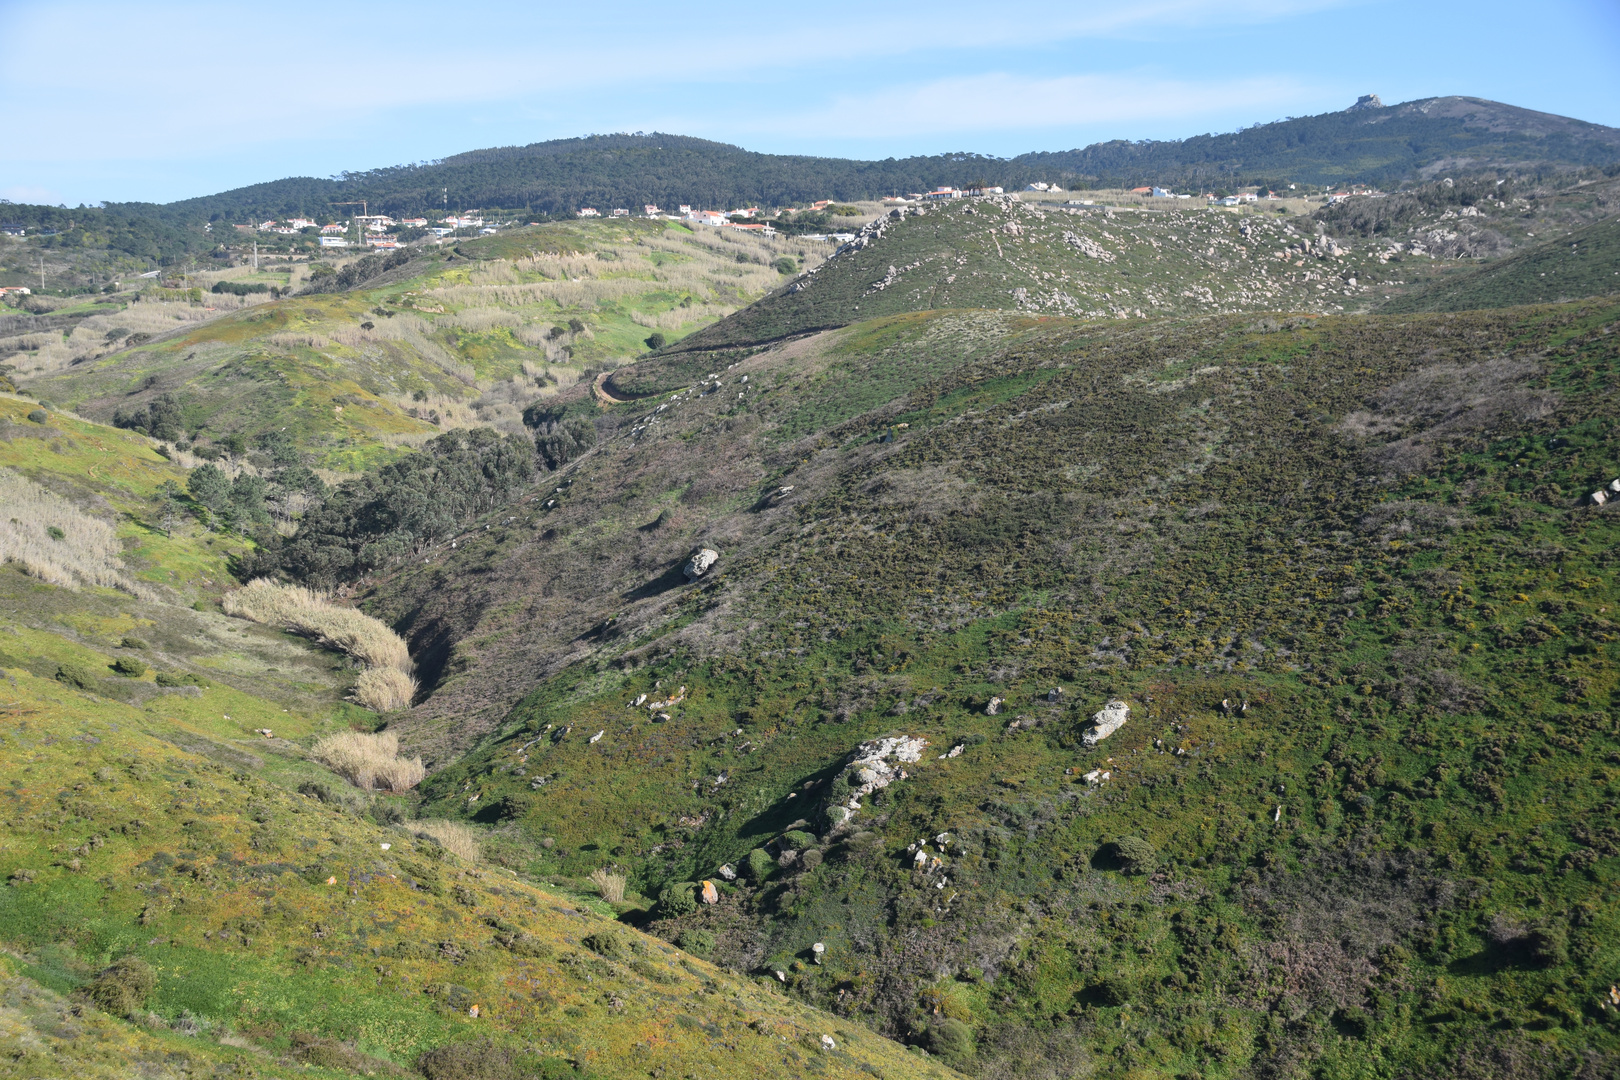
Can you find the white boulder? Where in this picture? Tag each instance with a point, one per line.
(699, 563)
(1105, 721)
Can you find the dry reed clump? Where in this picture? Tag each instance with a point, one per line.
(384, 689)
(369, 762)
(308, 612)
(385, 685)
(98, 335)
(53, 540)
(609, 884)
(458, 839)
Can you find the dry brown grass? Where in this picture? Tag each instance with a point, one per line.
(305, 611)
(385, 685)
(609, 884)
(369, 762)
(87, 552)
(384, 689)
(458, 839)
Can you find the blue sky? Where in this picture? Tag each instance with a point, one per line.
(164, 100)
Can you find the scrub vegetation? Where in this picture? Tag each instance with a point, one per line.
(400, 681)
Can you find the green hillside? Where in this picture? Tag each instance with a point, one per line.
(1036, 641)
(1583, 262)
(1370, 529)
(190, 891)
(1078, 262)
(455, 336)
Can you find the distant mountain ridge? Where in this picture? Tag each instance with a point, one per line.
(1367, 145)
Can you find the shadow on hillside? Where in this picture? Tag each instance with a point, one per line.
(672, 578)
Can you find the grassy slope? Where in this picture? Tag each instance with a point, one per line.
(271, 917)
(1368, 527)
(345, 393)
(157, 822)
(1584, 262)
(1009, 255)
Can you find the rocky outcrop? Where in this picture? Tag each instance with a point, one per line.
(874, 766)
(1105, 721)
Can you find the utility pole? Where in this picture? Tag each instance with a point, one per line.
(255, 256)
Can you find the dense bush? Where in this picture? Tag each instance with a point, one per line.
(677, 899)
(239, 288)
(123, 987)
(129, 667)
(162, 418)
(410, 504)
(560, 439)
(75, 675)
(759, 865)
(951, 1041)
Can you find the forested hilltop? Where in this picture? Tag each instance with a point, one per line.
(1378, 146)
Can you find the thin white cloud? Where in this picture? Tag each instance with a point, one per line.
(1000, 102)
(138, 85)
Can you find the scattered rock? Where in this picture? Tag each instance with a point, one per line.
(828, 1043)
(818, 948)
(727, 873)
(993, 708)
(1107, 720)
(598, 735)
(709, 894)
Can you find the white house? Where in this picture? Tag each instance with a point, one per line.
(333, 241)
(588, 211)
(651, 210)
(1037, 186)
(621, 213)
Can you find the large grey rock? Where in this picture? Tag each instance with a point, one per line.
(1105, 721)
(699, 563)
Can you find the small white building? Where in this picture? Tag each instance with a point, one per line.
(333, 241)
(587, 211)
(620, 212)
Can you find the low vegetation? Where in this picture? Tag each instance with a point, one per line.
(55, 541)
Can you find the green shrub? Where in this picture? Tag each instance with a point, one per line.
(412, 950)
(75, 675)
(844, 210)
(1135, 855)
(699, 943)
(608, 944)
(181, 678)
(656, 340)
(129, 667)
(130, 642)
(797, 840)
(677, 899)
(951, 1041)
(39, 416)
(811, 858)
(758, 865)
(55, 533)
(1547, 946)
(1115, 990)
(482, 1059)
(124, 987)
(785, 265)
